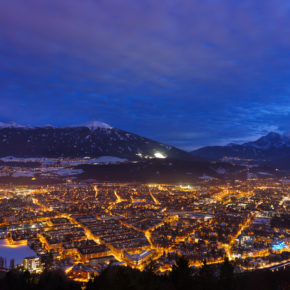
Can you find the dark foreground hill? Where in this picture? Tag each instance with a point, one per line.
(161, 171)
(182, 277)
(144, 171)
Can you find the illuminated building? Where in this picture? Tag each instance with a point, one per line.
(32, 264)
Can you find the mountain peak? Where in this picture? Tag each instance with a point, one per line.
(98, 125)
(11, 125)
(92, 125)
(268, 147)
(271, 140)
(272, 135)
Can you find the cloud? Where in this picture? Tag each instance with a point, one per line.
(188, 73)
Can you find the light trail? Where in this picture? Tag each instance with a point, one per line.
(96, 191)
(119, 199)
(228, 247)
(156, 201)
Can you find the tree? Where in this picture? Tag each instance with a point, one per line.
(14, 280)
(1, 262)
(27, 278)
(181, 274)
(56, 280)
(151, 267)
(206, 278)
(226, 279)
(12, 264)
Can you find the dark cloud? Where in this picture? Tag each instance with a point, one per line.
(189, 73)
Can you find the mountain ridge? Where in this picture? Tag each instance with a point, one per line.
(93, 140)
(270, 147)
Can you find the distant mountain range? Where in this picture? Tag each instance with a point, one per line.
(95, 140)
(108, 148)
(274, 149)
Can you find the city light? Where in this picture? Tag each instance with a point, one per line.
(87, 222)
(279, 246)
(159, 155)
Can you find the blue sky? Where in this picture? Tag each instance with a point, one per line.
(188, 73)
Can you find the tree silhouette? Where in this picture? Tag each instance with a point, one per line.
(12, 264)
(151, 267)
(226, 279)
(206, 278)
(56, 280)
(181, 274)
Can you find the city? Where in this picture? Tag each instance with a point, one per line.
(82, 228)
(144, 145)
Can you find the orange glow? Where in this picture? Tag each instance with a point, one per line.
(14, 244)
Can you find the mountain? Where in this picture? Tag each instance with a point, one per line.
(94, 140)
(270, 148)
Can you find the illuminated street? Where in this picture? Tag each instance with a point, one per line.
(135, 224)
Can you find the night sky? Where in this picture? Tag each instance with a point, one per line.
(185, 72)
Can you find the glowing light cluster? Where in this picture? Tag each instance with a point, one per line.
(280, 246)
(159, 155)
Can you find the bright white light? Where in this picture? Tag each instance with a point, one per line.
(185, 186)
(159, 155)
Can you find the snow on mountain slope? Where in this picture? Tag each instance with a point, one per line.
(272, 140)
(94, 140)
(267, 148)
(10, 125)
(98, 125)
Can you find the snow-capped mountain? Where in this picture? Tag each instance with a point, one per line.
(271, 141)
(93, 140)
(270, 147)
(11, 125)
